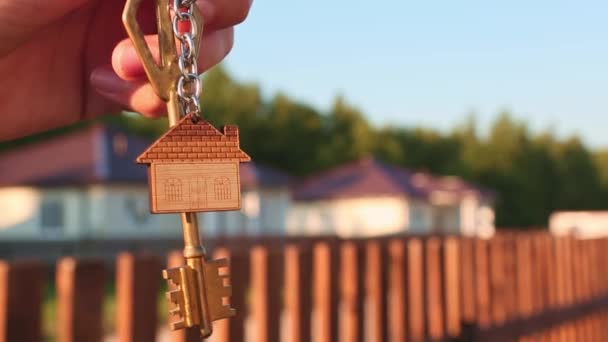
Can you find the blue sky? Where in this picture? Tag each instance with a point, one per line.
(430, 63)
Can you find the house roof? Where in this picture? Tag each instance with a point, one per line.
(99, 154)
(195, 140)
(91, 155)
(254, 174)
(369, 178)
(363, 178)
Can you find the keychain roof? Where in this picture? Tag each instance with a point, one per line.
(195, 141)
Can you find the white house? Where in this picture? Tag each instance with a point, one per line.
(368, 197)
(582, 224)
(86, 185)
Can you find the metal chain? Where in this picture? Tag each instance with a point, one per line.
(188, 85)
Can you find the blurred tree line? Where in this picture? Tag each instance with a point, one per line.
(533, 174)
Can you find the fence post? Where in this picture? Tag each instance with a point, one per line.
(21, 289)
(467, 282)
(266, 278)
(137, 287)
(298, 286)
(524, 262)
(233, 329)
(397, 291)
(560, 285)
(375, 277)
(510, 277)
(352, 292)
(434, 288)
(80, 292)
(585, 276)
(498, 281)
(325, 292)
(451, 288)
(482, 283)
(551, 285)
(415, 299)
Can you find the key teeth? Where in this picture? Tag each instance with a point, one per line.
(172, 275)
(220, 263)
(175, 296)
(178, 325)
(226, 291)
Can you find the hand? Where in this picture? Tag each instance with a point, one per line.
(66, 60)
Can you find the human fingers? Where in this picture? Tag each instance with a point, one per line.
(137, 95)
(221, 14)
(20, 19)
(214, 47)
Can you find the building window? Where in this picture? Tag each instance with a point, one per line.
(137, 208)
(52, 215)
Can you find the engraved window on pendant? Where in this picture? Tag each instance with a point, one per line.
(173, 190)
(221, 186)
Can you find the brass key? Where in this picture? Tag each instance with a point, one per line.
(186, 299)
(196, 290)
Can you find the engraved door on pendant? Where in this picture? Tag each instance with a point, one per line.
(221, 187)
(198, 193)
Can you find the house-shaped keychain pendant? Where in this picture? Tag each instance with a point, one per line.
(194, 167)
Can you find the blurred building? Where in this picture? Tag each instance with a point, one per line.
(368, 197)
(86, 185)
(582, 224)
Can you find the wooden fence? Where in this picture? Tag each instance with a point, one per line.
(514, 287)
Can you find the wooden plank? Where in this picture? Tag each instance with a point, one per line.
(376, 291)
(80, 292)
(397, 291)
(467, 281)
(525, 285)
(434, 289)
(233, 329)
(451, 271)
(298, 296)
(266, 284)
(569, 275)
(416, 293)
(539, 279)
(561, 284)
(21, 289)
(176, 259)
(352, 292)
(585, 276)
(553, 287)
(482, 283)
(325, 261)
(498, 281)
(138, 280)
(577, 284)
(539, 271)
(510, 277)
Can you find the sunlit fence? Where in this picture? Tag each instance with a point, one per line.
(514, 287)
